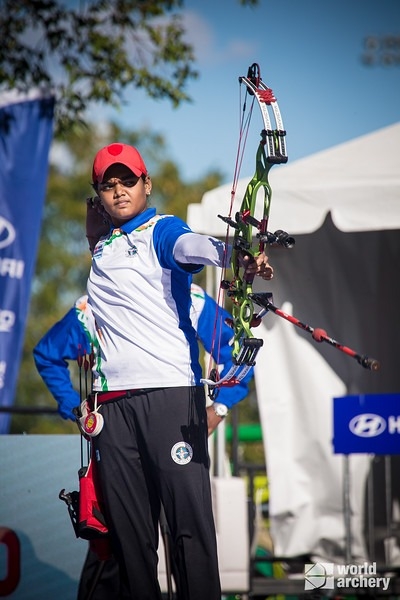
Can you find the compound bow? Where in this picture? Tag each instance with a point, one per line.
(271, 151)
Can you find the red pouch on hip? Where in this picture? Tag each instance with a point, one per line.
(92, 523)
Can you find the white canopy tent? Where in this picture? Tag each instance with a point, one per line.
(343, 207)
(358, 182)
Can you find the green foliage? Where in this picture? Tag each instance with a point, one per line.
(93, 52)
(171, 195)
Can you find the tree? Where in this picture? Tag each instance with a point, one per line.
(63, 258)
(93, 52)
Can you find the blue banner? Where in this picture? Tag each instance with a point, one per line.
(367, 424)
(26, 129)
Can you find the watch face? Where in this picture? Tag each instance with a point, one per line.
(221, 410)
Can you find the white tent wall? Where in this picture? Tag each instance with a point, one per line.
(343, 206)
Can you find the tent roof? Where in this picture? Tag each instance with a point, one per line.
(357, 181)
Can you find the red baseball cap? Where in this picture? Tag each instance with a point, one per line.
(117, 153)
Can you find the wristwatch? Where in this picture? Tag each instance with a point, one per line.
(220, 409)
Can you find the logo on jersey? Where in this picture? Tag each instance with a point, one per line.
(98, 250)
(181, 453)
(131, 251)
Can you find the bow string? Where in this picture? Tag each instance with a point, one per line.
(271, 150)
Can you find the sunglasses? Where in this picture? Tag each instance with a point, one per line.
(128, 182)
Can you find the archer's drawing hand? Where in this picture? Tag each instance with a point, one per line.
(98, 221)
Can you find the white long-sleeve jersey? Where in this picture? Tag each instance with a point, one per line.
(140, 296)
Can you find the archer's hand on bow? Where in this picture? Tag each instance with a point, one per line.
(257, 265)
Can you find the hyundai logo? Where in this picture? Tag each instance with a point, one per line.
(7, 233)
(367, 425)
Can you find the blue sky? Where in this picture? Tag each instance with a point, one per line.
(309, 52)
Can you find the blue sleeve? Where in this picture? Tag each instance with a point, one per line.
(226, 395)
(66, 340)
(166, 232)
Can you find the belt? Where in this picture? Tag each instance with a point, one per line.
(116, 395)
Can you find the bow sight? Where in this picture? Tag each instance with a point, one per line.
(279, 238)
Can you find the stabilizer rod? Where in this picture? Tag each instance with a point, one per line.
(319, 335)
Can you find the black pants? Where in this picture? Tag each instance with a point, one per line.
(99, 579)
(152, 449)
